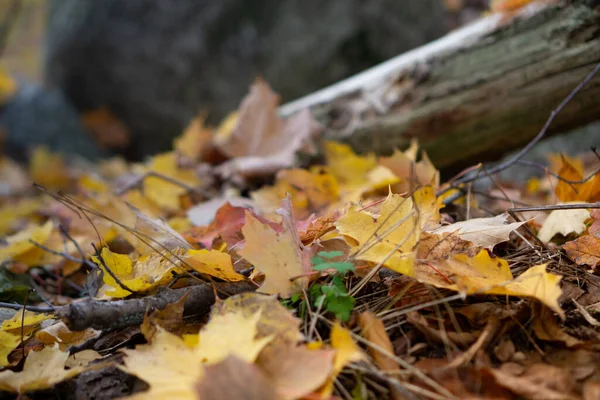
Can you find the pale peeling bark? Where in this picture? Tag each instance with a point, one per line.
(475, 94)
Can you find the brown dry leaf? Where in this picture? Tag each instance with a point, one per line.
(277, 255)
(584, 250)
(546, 328)
(539, 382)
(195, 141)
(42, 370)
(295, 371)
(169, 318)
(564, 222)
(317, 227)
(404, 165)
(259, 141)
(156, 232)
(374, 331)
(108, 130)
(433, 246)
(483, 232)
(594, 228)
(61, 334)
(49, 169)
(234, 378)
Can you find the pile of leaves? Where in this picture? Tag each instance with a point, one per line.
(222, 269)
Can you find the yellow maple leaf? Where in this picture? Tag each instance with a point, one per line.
(16, 328)
(346, 352)
(388, 238)
(348, 167)
(42, 370)
(19, 246)
(214, 263)
(483, 274)
(195, 140)
(10, 213)
(312, 191)
(231, 334)
(167, 194)
(8, 86)
(572, 170)
(412, 173)
(167, 364)
(49, 169)
(277, 255)
(171, 367)
(148, 272)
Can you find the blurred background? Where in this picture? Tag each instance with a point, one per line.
(97, 77)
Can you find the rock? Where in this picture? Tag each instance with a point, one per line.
(156, 63)
(35, 116)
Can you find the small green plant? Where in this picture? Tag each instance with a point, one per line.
(322, 261)
(333, 297)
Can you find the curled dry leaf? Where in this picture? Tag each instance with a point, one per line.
(484, 232)
(564, 222)
(584, 250)
(258, 140)
(42, 370)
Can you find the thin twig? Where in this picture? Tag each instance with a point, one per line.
(110, 272)
(15, 306)
(555, 207)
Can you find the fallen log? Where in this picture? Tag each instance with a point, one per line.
(474, 94)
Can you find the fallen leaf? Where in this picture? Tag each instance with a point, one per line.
(546, 328)
(195, 141)
(61, 334)
(16, 328)
(169, 318)
(275, 320)
(594, 228)
(147, 273)
(19, 246)
(82, 358)
(346, 352)
(540, 381)
(227, 223)
(295, 371)
(433, 246)
(55, 178)
(584, 250)
(348, 167)
(167, 194)
(234, 378)
(259, 141)
(564, 222)
(108, 130)
(572, 170)
(374, 331)
(277, 255)
(42, 370)
(213, 263)
(167, 364)
(412, 173)
(484, 274)
(388, 238)
(231, 334)
(8, 86)
(484, 232)
(312, 192)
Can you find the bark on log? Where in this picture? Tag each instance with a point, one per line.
(475, 94)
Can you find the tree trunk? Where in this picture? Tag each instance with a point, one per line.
(475, 94)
